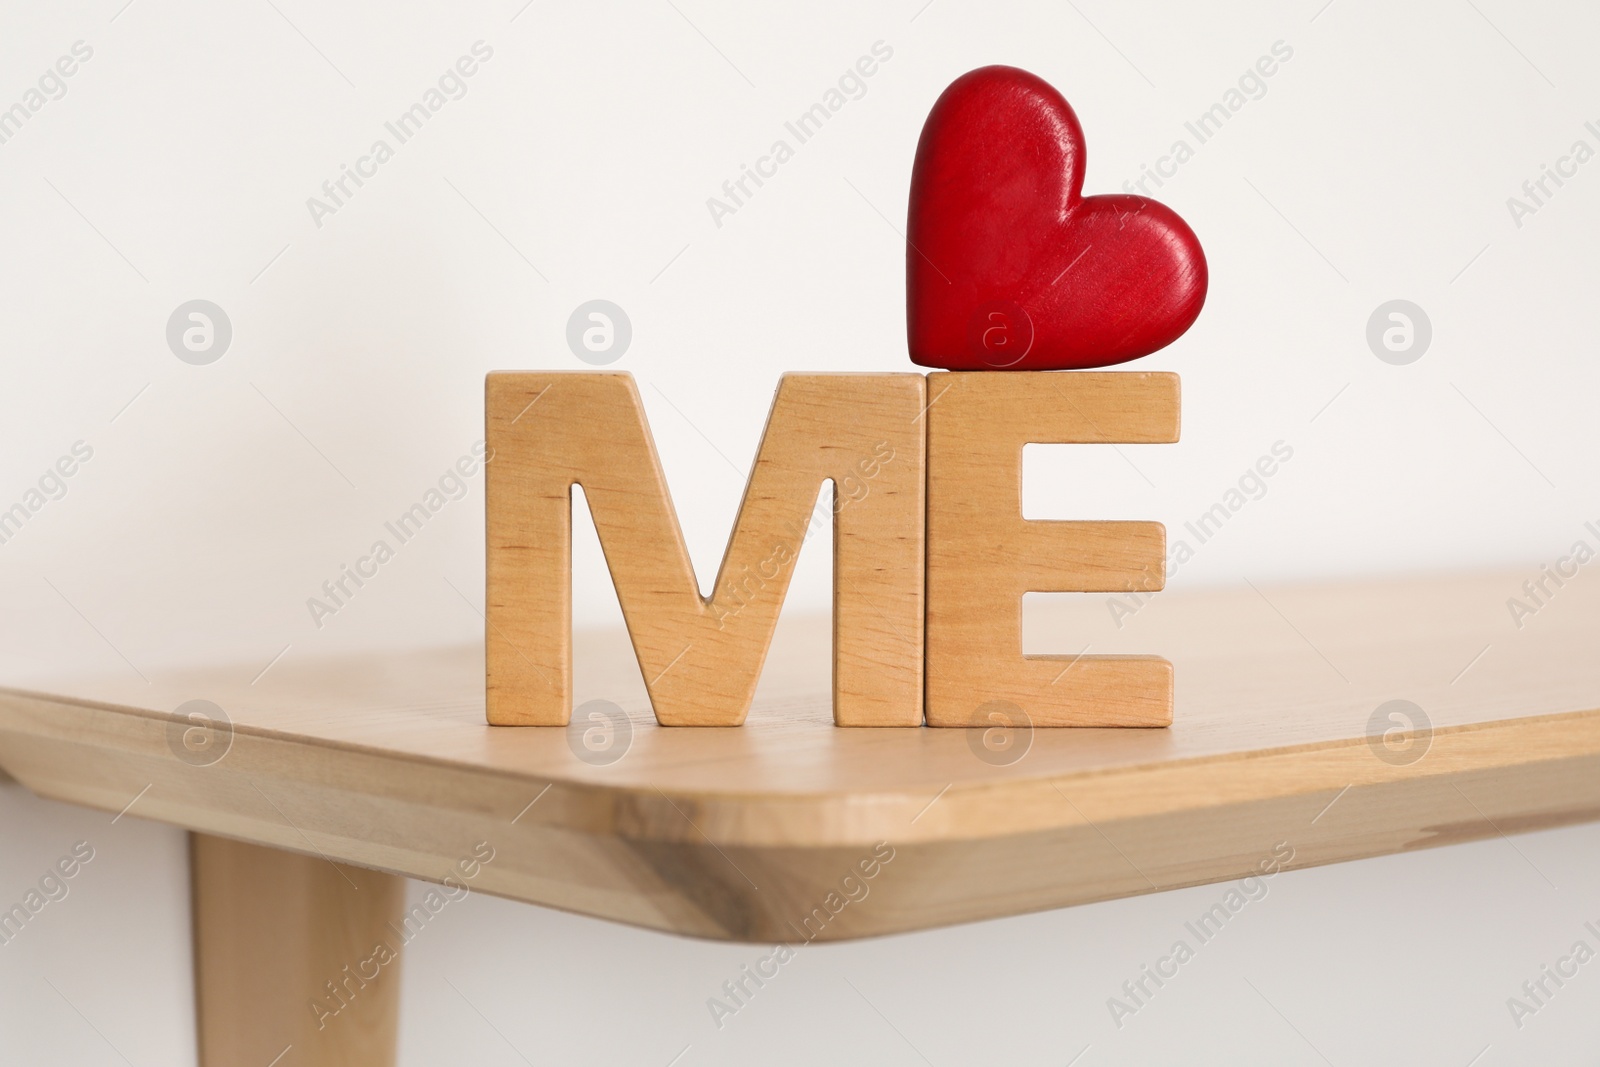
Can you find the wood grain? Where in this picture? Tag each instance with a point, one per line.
(982, 554)
(296, 962)
(385, 761)
(701, 656)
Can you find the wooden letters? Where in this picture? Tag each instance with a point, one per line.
(701, 658)
(928, 477)
(982, 555)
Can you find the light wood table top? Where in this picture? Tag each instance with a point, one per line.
(385, 761)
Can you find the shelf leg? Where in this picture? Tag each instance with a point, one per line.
(295, 963)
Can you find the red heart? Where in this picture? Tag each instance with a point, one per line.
(1008, 265)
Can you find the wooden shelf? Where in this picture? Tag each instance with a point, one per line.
(385, 762)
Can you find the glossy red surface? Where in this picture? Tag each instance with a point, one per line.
(1009, 266)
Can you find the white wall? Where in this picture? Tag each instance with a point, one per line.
(1377, 165)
